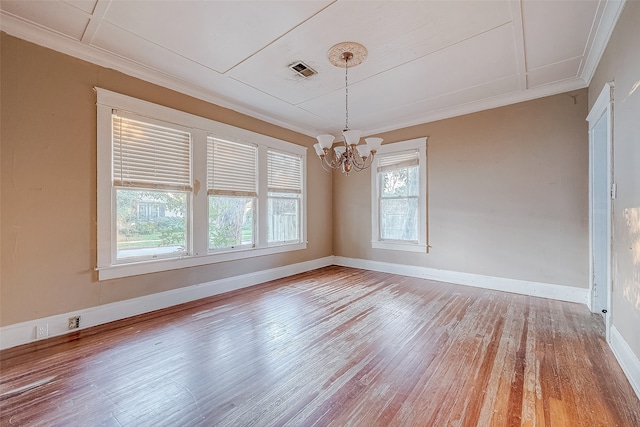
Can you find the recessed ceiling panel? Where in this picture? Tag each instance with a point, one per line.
(55, 15)
(87, 6)
(554, 73)
(122, 43)
(227, 91)
(394, 33)
(455, 103)
(485, 58)
(216, 34)
(556, 30)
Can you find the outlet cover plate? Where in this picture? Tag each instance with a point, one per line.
(42, 331)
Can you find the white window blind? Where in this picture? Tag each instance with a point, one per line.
(398, 160)
(231, 168)
(284, 172)
(147, 155)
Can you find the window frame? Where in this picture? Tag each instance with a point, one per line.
(198, 252)
(137, 176)
(420, 145)
(279, 190)
(222, 187)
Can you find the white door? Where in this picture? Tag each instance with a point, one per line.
(600, 208)
(599, 211)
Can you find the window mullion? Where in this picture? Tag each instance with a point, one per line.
(398, 197)
(263, 199)
(199, 204)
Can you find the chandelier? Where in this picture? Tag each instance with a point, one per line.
(350, 155)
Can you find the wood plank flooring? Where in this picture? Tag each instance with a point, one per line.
(331, 347)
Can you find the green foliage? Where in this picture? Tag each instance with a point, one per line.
(230, 221)
(171, 230)
(165, 230)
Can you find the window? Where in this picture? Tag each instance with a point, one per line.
(398, 205)
(152, 213)
(285, 188)
(232, 182)
(151, 165)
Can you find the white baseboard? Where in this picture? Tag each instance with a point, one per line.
(536, 289)
(25, 332)
(627, 359)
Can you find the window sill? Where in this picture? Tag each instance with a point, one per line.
(157, 265)
(398, 246)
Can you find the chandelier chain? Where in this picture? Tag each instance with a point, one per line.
(346, 92)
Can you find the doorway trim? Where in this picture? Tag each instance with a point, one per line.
(602, 108)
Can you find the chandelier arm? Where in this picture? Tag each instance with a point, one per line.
(360, 167)
(350, 157)
(334, 163)
(363, 164)
(358, 160)
(324, 165)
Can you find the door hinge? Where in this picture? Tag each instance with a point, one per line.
(614, 190)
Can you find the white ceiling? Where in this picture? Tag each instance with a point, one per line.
(427, 60)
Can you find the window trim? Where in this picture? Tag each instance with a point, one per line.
(421, 245)
(275, 191)
(198, 252)
(223, 187)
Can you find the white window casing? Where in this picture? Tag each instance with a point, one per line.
(285, 188)
(123, 118)
(394, 156)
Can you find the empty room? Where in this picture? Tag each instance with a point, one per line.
(320, 213)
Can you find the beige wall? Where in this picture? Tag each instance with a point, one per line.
(48, 155)
(507, 189)
(621, 63)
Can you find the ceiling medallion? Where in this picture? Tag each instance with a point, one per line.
(358, 52)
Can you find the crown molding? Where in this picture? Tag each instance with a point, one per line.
(36, 34)
(605, 27)
(486, 104)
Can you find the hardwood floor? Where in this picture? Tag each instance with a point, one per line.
(335, 346)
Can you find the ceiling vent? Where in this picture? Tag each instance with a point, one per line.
(302, 69)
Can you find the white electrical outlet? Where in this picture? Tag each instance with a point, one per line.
(42, 331)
